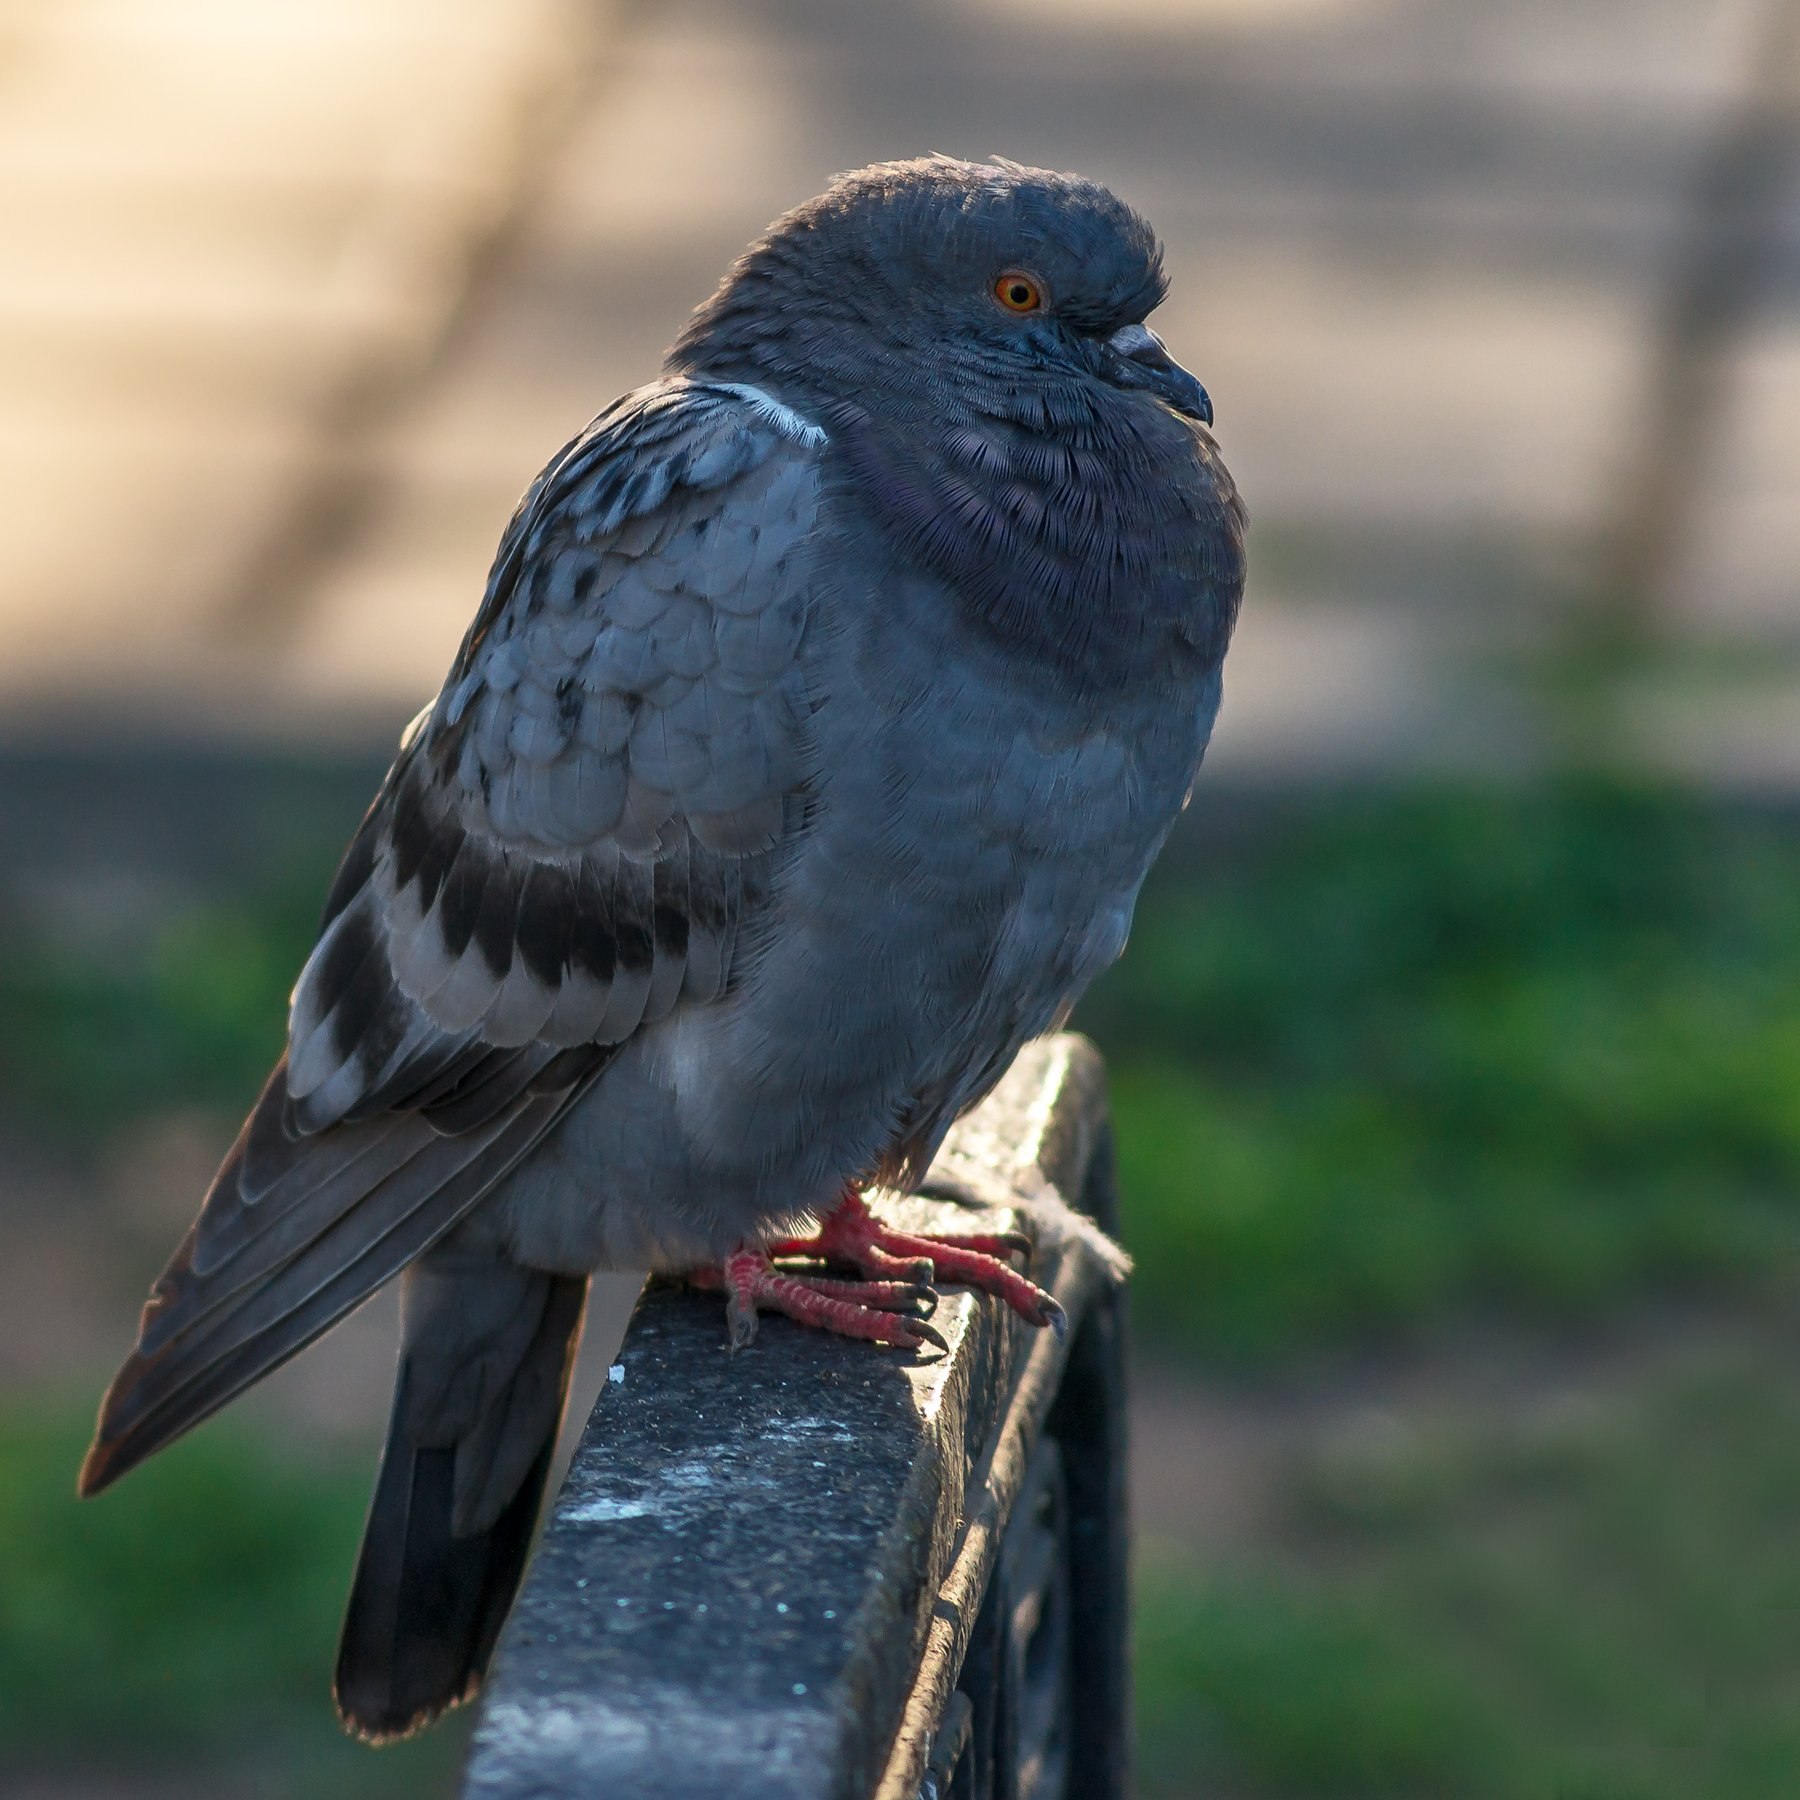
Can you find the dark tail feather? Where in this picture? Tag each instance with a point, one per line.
(484, 1372)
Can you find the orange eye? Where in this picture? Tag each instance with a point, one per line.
(1018, 293)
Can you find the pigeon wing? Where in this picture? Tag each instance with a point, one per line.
(566, 849)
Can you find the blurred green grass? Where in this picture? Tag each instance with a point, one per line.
(186, 1620)
(1539, 1049)
(190, 1013)
(1389, 1059)
(1399, 1055)
(1596, 1604)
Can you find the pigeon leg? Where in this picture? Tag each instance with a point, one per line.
(883, 1312)
(851, 1234)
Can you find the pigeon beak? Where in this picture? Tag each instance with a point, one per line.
(1148, 364)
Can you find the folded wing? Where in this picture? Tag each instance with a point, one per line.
(572, 843)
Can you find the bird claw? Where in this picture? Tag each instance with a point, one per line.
(931, 1335)
(910, 1299)
(740, 1317)
(896, 1293)
(851, 1234)
(1014, 1242)
(879, 1311)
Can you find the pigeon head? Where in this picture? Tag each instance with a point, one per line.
(903, 277)
(971, 338)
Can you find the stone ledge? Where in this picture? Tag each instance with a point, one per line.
(763, 1570)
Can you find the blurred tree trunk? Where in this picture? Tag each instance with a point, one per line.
(1727, 251)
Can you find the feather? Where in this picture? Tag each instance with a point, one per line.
(518, 898)
(206, 1337)
(451, 1520)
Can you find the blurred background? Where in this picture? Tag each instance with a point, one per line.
(1457, 1055)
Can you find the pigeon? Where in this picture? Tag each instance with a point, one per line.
(828, 702)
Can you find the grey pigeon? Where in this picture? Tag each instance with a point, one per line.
(828, 702)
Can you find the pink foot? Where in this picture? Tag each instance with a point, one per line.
(851, 1234)
(883, 1312)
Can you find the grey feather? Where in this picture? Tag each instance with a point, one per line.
(828, 701)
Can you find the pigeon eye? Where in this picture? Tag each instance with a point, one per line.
(1018, 293)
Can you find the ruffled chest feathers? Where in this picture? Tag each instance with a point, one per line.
(1104, 543)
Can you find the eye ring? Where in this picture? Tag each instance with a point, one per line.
(1018, 292)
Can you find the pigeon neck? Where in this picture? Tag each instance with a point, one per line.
(1062, 513)
(1069, 527)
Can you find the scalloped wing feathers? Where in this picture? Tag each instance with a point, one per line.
(568, 846)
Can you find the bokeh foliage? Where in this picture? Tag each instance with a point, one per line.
(189, 1615)
(1383, 1061)
(1595, 1604)
(1536, 1048)
(1395, 1056)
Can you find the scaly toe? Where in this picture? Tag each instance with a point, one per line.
(989, 1243)
(882, 1312)
(851, 1234)
(979, 1269)
(913, 1299)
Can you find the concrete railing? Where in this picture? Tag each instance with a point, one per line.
(826, 1571)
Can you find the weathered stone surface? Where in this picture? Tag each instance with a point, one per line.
(763, 1569)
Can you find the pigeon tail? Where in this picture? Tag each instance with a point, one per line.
(484, 1372)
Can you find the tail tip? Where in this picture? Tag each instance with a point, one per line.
(381, 1723)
